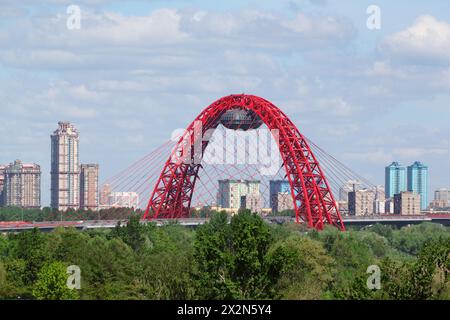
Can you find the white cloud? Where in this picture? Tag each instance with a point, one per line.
(320, 28)
(335, 107)
(163, 37)
(426, 41)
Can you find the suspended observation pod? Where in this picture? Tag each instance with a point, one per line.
(239, 119)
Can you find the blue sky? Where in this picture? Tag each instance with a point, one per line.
(137, 70)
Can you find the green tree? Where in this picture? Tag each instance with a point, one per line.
(383, 230)
(214, 259)
(108, 267)
(231, 258)
(31, 247)
(52, 283)
(304, 269)
(134, 233)
(250, 241)
(411, 239)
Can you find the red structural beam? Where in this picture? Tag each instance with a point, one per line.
(312, 197)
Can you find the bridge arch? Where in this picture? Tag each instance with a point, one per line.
(311, 194)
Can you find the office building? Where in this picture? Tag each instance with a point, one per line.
(418, 182)
(65, 174)
(280, 196)
(407, 203)
(361, 202)
(395, 179)
(89, 186)
(231, 192)
(22, 185)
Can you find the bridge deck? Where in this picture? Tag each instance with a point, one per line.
(11, 226)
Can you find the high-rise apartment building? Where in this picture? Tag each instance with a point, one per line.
(280, 196)
(22, 185)
(395, 179)
(407, 203)
(89, 186)
(361, 202)
(65, 174)
(2, 182)
(418, 182)
(231, 192)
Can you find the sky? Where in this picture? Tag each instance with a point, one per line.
(137, 70)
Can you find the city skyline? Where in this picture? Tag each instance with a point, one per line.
(234, 150)
(123, 103)
(397, 177)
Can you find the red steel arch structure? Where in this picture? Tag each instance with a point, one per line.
(312, 197)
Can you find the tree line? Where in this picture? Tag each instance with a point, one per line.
(49, 214)
(239, 257)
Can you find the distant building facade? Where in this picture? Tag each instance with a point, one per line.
(2, 183)
(361, 202)
(231, 192)
(105, 192)
(389, 206)
(349, 186)
(280, 196)
(379, 205)
(89, 199)
(123, 200)
(284, 202)
(395, 179)
(442, 195)
(65, 175)
(407, 203)
(441, 199)
(22, 185)
(252, 202)
(418, 182)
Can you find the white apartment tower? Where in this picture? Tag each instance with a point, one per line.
(232, 193)
(65, 169)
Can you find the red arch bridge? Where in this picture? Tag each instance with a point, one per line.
(241, 138)
(312, 198)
